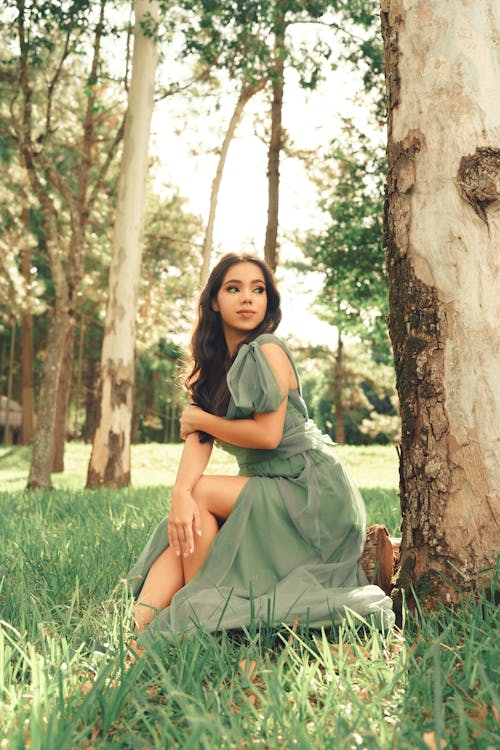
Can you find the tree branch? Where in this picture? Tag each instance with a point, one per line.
(89, 124)
(105, 167)
(53, 83)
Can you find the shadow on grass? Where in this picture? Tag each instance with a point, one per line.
(15, 457)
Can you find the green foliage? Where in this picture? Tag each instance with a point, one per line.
(159, 398)
(170, 268)
(349, 254)
(45, 86)
(349, 250)
(234, 36)
(237, 36)
(366, 55)
(368, 394)
(59, 88)
(62, 555)
(171, 260)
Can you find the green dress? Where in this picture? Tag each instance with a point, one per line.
(290, 547)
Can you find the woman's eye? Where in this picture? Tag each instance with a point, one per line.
(232, 289)
(260, 289)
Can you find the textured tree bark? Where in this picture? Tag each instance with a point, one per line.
(28, 393)
(442, 232)
(43, 447)
(62, 401)
(110, 460)
(275, 143)
(77, 392)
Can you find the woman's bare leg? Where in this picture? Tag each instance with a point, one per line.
(164, 579)
(215, 496)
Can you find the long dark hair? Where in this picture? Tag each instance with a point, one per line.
(206, 383)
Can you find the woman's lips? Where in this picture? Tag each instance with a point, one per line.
(246, 313)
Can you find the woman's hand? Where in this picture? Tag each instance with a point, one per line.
(183, 522)
(191, 420)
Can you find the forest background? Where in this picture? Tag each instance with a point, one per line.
(70, 80)
(231, 67)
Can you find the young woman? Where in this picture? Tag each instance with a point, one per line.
(283, 539)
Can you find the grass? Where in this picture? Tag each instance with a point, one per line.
(63, 553)
(155, 463)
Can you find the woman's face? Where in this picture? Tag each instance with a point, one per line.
(241, 300)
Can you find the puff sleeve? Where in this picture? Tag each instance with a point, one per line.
(251, 383)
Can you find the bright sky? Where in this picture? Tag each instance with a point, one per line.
(310, 119)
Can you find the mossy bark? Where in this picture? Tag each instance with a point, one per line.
(110, 461)
(441, 211)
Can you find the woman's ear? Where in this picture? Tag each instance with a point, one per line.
(215, 305)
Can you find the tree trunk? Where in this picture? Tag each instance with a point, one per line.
(43, 446)
(442, 231)
(134, 428)
(110, 460)
(246, 94)
(339, 392)
(62, 401)
(7, 436)
(77, 394)
(91, 400)
(2, 359)
(28, 392)
(66, 267)
(273, 158)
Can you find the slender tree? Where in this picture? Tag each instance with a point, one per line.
(279, 25)
(249, 41)
(442, 231)
(110, 460)
(349, 252)
(65, 169)
(8, 400)
(248, 90)
(17, 292)
(28, 391)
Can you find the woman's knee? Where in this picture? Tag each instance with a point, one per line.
(200, 492)
(218, 494)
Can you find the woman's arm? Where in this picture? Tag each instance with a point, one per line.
(262, 430)
(184, 518)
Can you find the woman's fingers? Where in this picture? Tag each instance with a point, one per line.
(173, 538)
(188, 546)
(187, 425)
(180, 536)
(197, 522)
(183, 430)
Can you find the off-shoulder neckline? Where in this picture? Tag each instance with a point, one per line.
(285, 348)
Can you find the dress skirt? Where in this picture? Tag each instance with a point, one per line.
(290, 548)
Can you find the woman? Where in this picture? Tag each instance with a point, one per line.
(282, 540)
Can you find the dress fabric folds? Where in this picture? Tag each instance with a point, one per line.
(290, 547)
